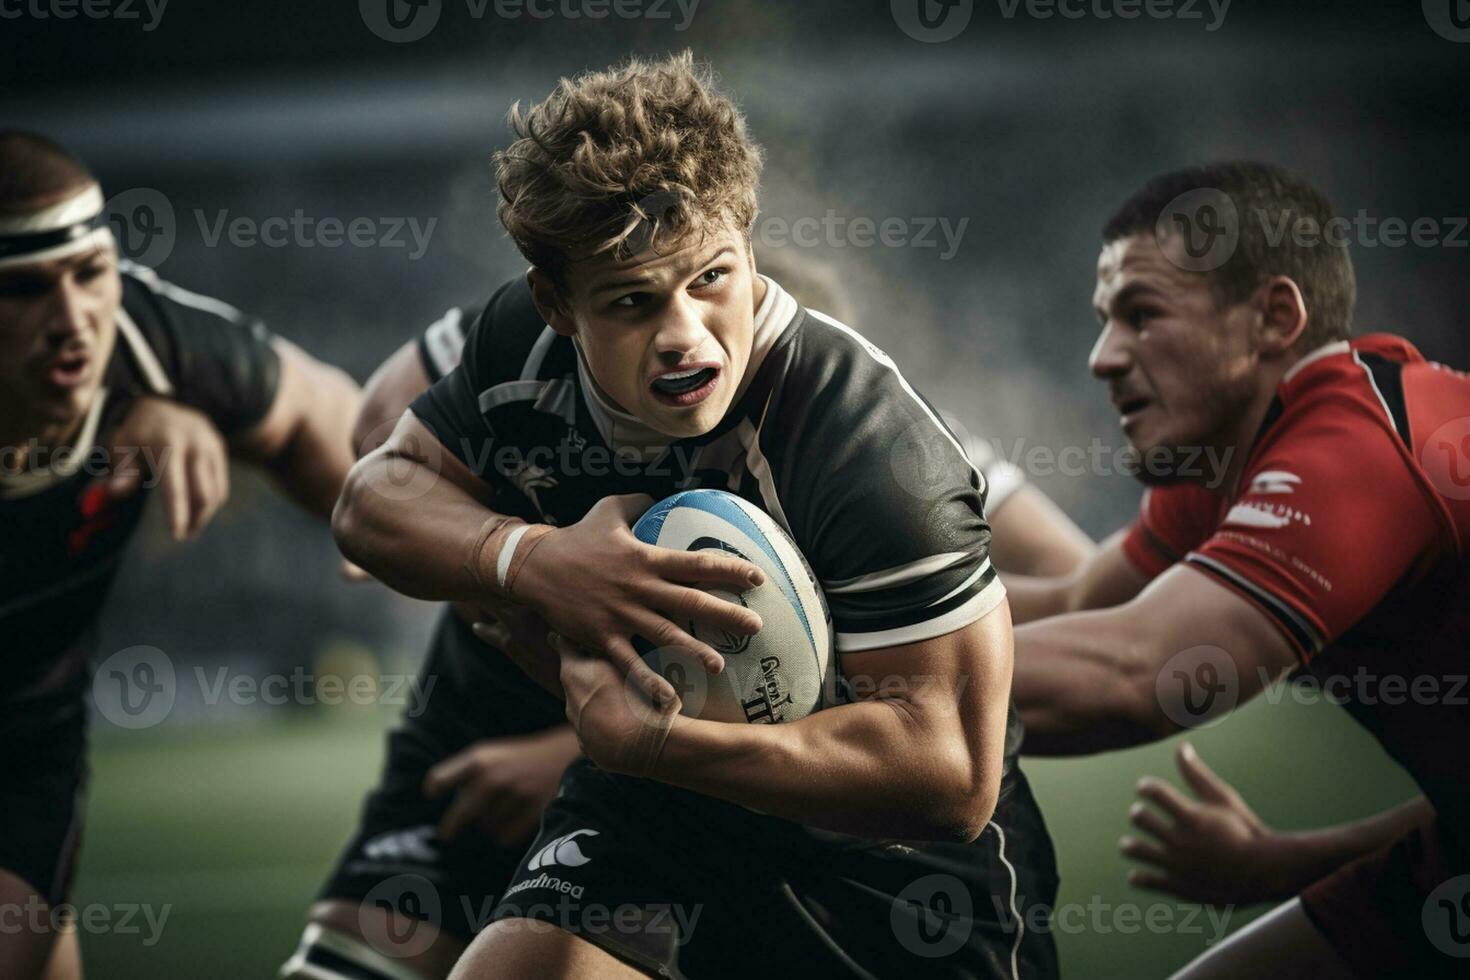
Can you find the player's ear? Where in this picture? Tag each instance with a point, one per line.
(1283, 312)
(550, 303)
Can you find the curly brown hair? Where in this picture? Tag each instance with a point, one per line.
(626, 159)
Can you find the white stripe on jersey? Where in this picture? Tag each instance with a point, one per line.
(980, 604)
(760, 468)
(532, 367)
(897, 575)
(180, 295)
(444, 340)
(143, 354)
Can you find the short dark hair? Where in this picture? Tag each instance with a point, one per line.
(35, 172)
(1269, 201)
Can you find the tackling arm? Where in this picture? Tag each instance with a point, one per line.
(1091, 681)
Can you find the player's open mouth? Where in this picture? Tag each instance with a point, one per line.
(1129, 408)
(69, 370)
(687, 387)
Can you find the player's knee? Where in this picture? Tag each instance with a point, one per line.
(343, 940)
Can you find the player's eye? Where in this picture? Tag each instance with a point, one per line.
(632, 301)
(710, 277)
(24, 288)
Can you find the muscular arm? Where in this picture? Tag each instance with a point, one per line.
(388, 393)
(918, 759)
(1031, 535)
(304, 439)
(1107, 578)
(410, 514)
(1091, 681)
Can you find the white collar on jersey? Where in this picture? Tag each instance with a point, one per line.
(1326, 350)
(626, 433)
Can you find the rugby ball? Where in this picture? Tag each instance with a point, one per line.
(784, 672)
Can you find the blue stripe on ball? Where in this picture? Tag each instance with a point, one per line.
(725, 506)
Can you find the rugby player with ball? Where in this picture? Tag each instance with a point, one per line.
(641, 356)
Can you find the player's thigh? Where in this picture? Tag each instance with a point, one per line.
(516, 948)
(375, 941)
(1282, 944)
(27, 936)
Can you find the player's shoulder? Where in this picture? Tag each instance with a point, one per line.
(153, 302)
(1352, 388)
(508, 339)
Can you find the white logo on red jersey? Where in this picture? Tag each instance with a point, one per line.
(1250, 514)
(1274, 481)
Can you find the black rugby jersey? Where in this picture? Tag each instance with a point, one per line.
(442, 342)
(61, 536)
(826, 436)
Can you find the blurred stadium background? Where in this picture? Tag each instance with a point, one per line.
(1028, 130)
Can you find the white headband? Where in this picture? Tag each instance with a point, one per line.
(56, 231)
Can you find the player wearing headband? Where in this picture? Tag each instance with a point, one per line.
(86, 342)
(643, 354)
(469, 772)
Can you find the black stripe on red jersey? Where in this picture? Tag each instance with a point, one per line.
(1387, 378)
(1308, 641)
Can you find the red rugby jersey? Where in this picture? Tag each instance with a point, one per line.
(1349, 530)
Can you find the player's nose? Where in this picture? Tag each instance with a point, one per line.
(70, 313)
(680, 329)
(1111, 355)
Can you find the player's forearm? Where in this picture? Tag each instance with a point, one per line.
(1292, 861)
(877, 768)
(1081, 688)
(1036, 598)
(411, 529)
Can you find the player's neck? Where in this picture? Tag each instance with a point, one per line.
(1242, 437)
(22, 434)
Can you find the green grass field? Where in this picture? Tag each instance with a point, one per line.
(230, 830)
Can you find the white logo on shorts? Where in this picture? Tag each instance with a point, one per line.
(564, 851)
